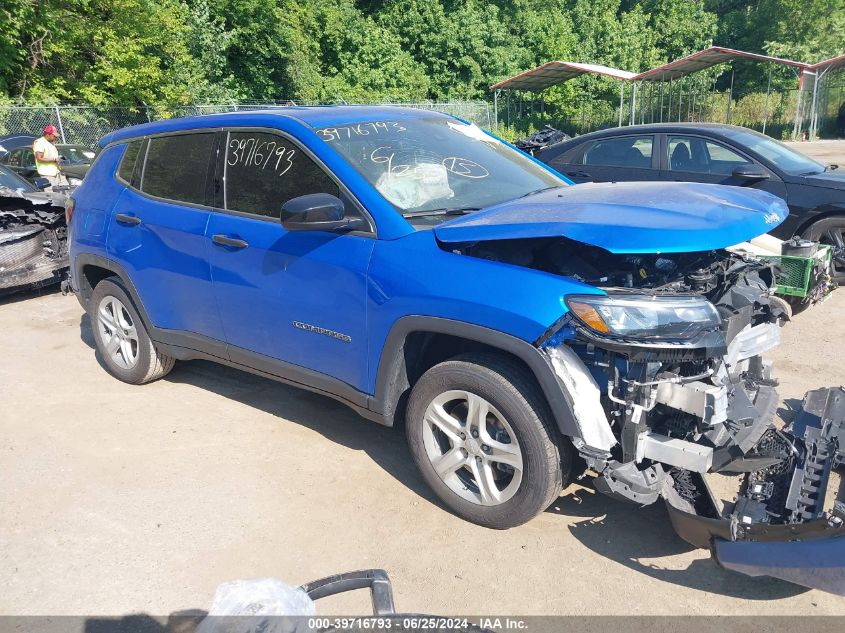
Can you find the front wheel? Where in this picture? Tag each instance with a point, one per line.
(831, 231)
(482, 437)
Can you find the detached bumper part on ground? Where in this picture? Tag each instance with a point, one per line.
(778, 526)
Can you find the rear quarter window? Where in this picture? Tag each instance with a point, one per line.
(128, 162)
(176, 167)
(628, 151)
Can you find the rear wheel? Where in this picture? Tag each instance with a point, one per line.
(831, 231)
(482, 437)
(121, 338)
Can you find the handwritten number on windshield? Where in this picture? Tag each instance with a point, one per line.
(330, 134)
(465, 167)
(251, 152)
(380, 155)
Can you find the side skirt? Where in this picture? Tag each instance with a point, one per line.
(187, 346)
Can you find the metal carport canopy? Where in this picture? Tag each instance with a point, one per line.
(834, 63)
(557, 72)
(706, 58)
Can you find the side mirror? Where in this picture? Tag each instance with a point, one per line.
(750, 171)
(41, 183)
(317, 212)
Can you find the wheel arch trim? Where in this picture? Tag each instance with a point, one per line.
(84, 294)
(392, 380)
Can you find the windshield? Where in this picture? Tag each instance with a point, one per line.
(786, 159)
(11, 181)
(76, 154)
(436, 165)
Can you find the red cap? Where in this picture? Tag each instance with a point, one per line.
(51, 129)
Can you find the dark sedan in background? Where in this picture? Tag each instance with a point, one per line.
(19, 157)
(723, 154)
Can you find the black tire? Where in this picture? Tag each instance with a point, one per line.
(826, 232)
(150, 363)
(547, 457)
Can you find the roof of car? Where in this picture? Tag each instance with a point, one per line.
(661, 127)
(652, 128)
(312, 116)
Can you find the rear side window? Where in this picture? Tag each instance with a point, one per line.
(177, 166)
(127, 163)
(628, 151)
(265, 170)
(690, 153)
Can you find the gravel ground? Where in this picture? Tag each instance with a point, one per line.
(118, 499)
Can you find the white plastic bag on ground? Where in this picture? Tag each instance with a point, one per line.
(258, 604)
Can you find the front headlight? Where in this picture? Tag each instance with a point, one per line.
(74, 182)
(645, 317)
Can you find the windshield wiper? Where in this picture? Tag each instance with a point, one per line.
(541, 190)
(443, 211)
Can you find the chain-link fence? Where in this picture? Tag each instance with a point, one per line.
(775, 113)
(84, 125)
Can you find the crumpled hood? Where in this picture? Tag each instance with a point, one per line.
(628, 217)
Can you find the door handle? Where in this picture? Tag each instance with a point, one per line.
(125, 218)
(578, 174)
(225, 240)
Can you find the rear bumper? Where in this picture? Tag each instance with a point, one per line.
(779, 526)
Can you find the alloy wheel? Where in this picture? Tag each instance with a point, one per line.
(472, 448)
(835, 237)
(117, 332)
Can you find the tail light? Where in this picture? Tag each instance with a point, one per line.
(69, 205)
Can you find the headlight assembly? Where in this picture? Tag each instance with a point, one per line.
(645, 317)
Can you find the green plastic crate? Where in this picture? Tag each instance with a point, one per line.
(797, 272)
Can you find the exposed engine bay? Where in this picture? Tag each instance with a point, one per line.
(33, 240)
(659, 405)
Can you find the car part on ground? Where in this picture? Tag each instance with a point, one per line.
(541, 139)
(33, 240)
(267, 605)
(803, 268)
(780, 524)
(381, 591)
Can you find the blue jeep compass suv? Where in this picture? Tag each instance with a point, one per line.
(417, 268)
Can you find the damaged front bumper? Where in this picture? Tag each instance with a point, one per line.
(33, 241)
(778, 525)
(27, 258)
(654, 423)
